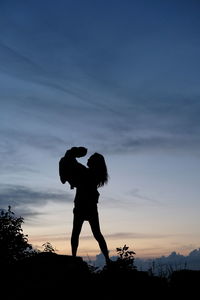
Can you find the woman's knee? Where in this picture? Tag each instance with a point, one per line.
(98, 235)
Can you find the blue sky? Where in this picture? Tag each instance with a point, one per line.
(122, 79)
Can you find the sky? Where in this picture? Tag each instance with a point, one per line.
(120, 78)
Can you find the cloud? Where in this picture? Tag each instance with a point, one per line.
(35, 70)
(129, 235)
(115, 236)
(160, 142)
(164, 264)
(14, 138)
(13, 59)
(18, 196)
(123, 236)
(95, 84)
(135, 193)
(174, 261)
(26, 202)
(28, 214)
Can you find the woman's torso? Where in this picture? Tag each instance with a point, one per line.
(87, 194)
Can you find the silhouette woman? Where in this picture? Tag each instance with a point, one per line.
(87, 181)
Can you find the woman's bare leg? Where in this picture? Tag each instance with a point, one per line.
(94, 223)
(77, 225)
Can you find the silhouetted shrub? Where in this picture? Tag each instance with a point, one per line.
(48, 248)
(13, 243)
(126, 258)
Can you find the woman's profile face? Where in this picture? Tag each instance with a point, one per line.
(90, 160)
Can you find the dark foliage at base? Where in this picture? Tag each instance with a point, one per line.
(13, 242)
(26, 273)
(56, 276)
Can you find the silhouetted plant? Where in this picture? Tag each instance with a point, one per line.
(126, 258)
(13, 243)
(48, 248)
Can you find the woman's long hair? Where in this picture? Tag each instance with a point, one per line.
(97, 164)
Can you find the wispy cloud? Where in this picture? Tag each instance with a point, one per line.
(34, 70)
(18, 195)
(129, 235)
(13, 60)
(136, 193)
(100, 88)
(14, 138)
(123, 236)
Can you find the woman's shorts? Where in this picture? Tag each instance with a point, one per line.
(86, 213)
